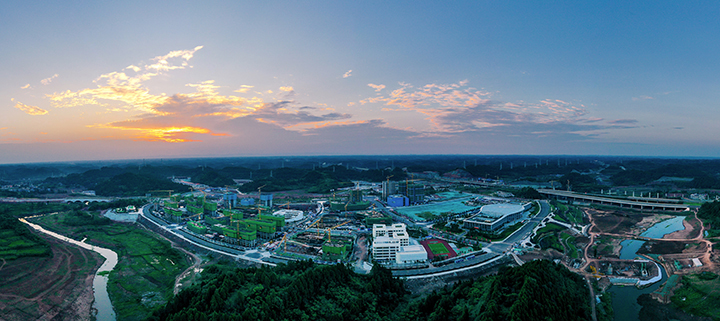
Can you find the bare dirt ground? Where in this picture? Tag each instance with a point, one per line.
(690, 231)
(57, 287)
(190, 272)
(620, 222)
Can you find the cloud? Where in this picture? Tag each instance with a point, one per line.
(408, 97)
(377, 87)
(244, 89)
(347, 74)
(30, 110)
(124, 88)
(47, 81)
(25, 87)
(163, 63)
(642, 98)
(623, 122)
(189, 116)
(284, 114)
(451, 109)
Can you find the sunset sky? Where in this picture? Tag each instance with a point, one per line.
(91, 80)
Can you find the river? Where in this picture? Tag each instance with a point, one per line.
(102, 302)
(625, 298)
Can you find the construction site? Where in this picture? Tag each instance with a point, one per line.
(625, 272)
(316, 246)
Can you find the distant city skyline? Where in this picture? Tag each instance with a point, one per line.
(134, 80)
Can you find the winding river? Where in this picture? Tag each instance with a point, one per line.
(102, 303)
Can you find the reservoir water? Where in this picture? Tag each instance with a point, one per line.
(102, 303)
(625, 298)
(625, 304)
(665, 227)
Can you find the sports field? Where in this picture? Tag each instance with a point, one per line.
(438, 248)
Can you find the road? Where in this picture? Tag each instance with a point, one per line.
(522, 233)
(494, 250)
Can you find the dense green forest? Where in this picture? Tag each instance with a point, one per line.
(131, 184)
(584, 174)
(297, 291)
(538, 290)
(117, 181)
(642, 172)
(710, 214)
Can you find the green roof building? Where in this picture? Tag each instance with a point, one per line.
(196, 228)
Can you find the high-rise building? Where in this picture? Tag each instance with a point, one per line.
(387, 240)
(356, 196)
(389, 188)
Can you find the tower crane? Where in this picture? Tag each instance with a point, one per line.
(332, 228)
(260, 199)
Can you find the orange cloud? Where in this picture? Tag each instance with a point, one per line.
(286, 88)
(377, 87)
(244, 89)
(30, 110)
(120, 87)
(347, 74)
(25, 87)
(170, 134)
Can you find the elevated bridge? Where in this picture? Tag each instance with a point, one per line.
(636, 203)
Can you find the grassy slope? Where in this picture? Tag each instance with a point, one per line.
(145, 274)
(698, 296)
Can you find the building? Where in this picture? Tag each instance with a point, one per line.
(492, 217)
(230, 199)
(247, 201)
(414, 192)
(387, 240)
(290, 215)
(356, 196)
(389, 188)
(411, 254)
(266, 200)
(398, 200)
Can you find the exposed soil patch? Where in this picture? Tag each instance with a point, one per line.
(691, 230)
(662, 247)
(57, 287)
(617, 222)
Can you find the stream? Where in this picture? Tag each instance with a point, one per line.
(102, 303)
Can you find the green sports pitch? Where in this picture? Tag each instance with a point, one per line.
(438, 248)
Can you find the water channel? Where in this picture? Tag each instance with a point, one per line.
(625, 298)
(102, 303)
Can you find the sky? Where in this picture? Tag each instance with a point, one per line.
(96, 80)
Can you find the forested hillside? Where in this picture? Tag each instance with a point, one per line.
(297, 291)
(538, 290)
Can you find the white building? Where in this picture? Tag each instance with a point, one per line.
(411, 254)
(492, 217)
(387, 241)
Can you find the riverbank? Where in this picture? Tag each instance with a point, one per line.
(101, 305)
(58, 287)
(147, 265)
